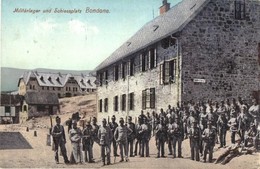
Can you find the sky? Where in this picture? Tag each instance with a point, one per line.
(76, 41)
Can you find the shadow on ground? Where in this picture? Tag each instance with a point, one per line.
(13, 140)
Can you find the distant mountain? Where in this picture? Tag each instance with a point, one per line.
(10, 76)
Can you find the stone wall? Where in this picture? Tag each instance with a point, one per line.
(164, 94)
(223, 51)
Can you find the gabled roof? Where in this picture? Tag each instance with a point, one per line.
(10, 100)
(85, 82)
(41, 98)
(162, 26)
(58, 79)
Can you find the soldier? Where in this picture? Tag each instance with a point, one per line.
(113, 125)
(75, 138)
(244, 121)
(190, 120)
(145, 133)
(209, 137)
(154, 121)
(169, 136)
(95, 128)
(254, 111)
(195, 137)
(222, 129)
(177, 132)
(228, 108)
(251, 135)
(105, 136)
(185, 117)
(88, 142)
(142, 116)
(131, 137)
(138, 137)
(160, 137)
(162, 114)
(120, 135)
(59, 140)
(233, 125)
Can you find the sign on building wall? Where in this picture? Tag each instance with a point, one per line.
(199, 80)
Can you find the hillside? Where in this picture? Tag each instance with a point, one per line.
(10, 76)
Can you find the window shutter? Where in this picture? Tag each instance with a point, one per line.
(152, 98)
(114, 73)
(143, 99)
(141, 62)
(167, 72)
(129, 67)
(149, 59)
(155, 57)
(161, 74)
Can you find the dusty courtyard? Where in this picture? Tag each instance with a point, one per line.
(41, 155)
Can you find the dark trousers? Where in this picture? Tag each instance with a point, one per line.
(61, 144)
(131, 146)
(170, 145)
(105, 152)
(88, 152)
(233, 137)
(222, 137)
(208, 149)
(176, 140)
(194, 149)
(160, 147)
(144, 146)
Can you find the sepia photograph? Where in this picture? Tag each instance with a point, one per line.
(130, 84)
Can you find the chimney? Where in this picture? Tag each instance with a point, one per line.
(165, 7)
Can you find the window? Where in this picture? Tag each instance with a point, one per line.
(53, 88)
(131, 101)
(167, 42)
(100, 79)
(116, 72)
(30, 86)
(33, 87)
(168, 72)
(48, 88)
(59, 88)
(124, 70)
(123, 102)
(106, 105)
(240, 9)
(106, 77)
(42, 87)
(148, 98)
(24, 108)
(259, 53)
(131, 67)
(152, 58)
(59, 95)
(116, 103)
(100, 105)
(143, 62)
(7, 111)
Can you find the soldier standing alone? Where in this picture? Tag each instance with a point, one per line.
(59, 140)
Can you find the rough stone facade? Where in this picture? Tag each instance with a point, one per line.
(223, 51)
(218, 58)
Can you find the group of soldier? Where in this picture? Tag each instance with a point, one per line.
(204, 124)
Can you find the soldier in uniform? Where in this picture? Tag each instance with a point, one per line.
(95, 128)
(120, 135)
(145, 134)
(209, 137)
(131, 137)
(160, 137)
(75, 135)
(254, 111)
(177, 132)
(142, 116)
(87, 141)
(105, 136)
(195, 137)
(59, 140)
(222, 124)
(169, 136)
(233, 126)
(113, 125)
(138, 137)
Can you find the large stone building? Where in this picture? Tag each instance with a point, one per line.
(63, 85)
(196, 50)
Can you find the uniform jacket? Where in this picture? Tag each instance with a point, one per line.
(105, 135)
(58, 133)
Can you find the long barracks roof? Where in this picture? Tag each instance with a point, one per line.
(168, 23)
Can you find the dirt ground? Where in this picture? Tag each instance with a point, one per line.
(25, 150)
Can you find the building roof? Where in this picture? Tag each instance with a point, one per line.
(41, 98)
(10, 100)
(58, 79)
(162, 26)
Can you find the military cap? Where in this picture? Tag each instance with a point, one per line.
(94, 118)
(74, 121)
(129, 118)
(57, 117)
(113, 117)
(121, 119)
(104, 120)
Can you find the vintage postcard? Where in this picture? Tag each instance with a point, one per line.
(130, 84)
